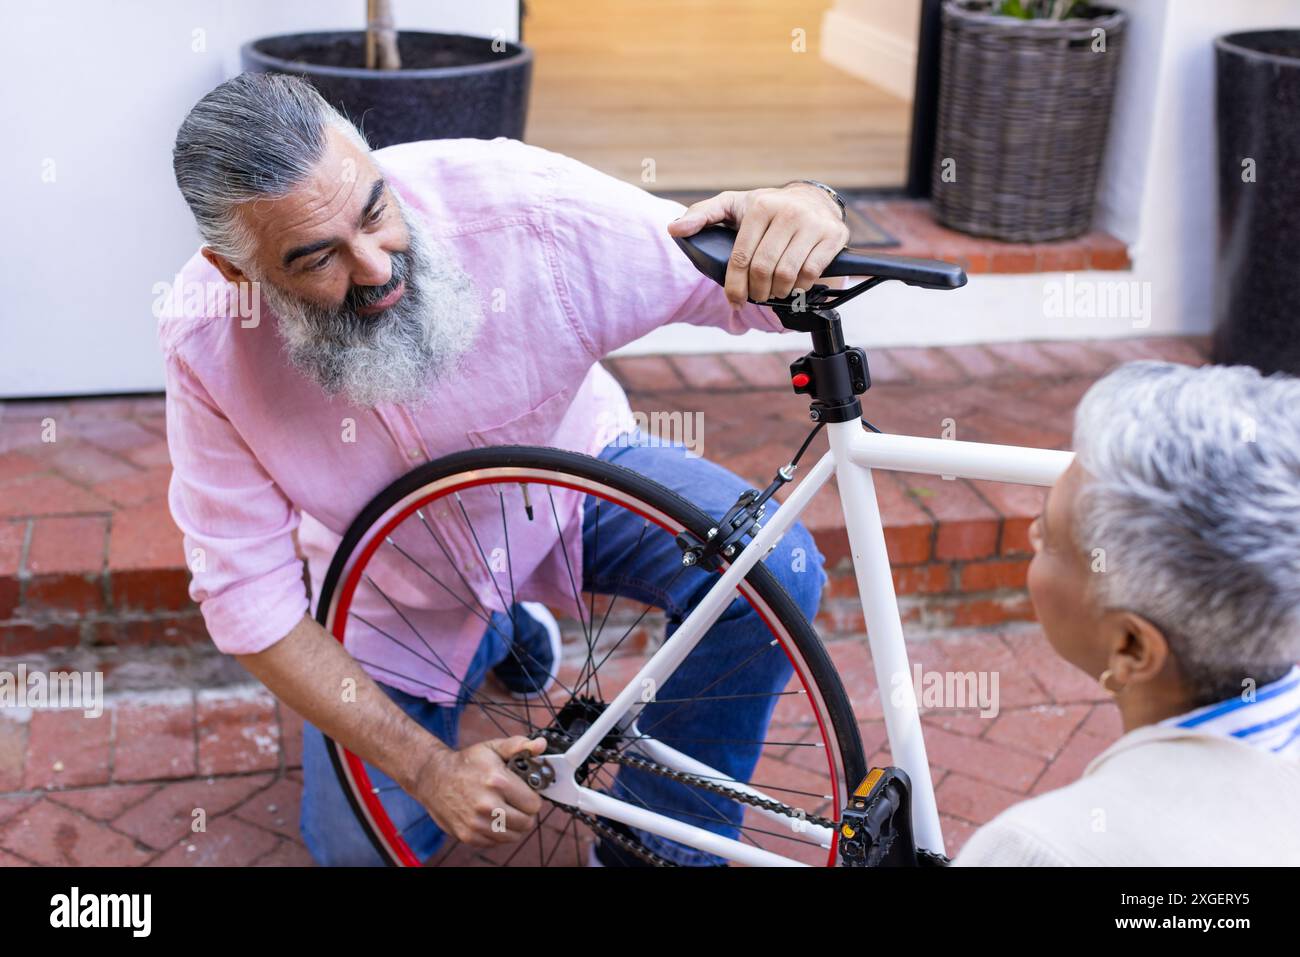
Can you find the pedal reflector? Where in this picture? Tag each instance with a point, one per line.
(870, 781)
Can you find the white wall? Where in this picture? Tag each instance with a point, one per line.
(874, 40)
(97, 90)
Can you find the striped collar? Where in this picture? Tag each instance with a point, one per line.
(1270, 721)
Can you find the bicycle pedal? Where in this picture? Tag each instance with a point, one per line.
(876, 826)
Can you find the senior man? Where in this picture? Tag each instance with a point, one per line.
(420, 296)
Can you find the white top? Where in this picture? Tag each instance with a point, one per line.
(1218, 786)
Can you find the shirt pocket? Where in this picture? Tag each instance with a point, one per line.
(537, 426)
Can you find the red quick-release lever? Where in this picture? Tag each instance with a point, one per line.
(800, 379)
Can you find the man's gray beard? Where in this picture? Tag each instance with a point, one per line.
(395, 355)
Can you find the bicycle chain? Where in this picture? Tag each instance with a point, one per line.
(640, 850)
(635, 847)
(714, 787)
(631, 845)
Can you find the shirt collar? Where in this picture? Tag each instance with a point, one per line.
(1269, 720)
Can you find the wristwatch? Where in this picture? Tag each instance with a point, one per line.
(839, 200)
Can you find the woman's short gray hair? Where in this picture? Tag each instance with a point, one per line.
(1192, 494)
(256, 135)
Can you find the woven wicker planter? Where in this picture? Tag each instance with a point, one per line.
(1024, 106)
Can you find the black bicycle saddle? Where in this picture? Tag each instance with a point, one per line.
(710, 250)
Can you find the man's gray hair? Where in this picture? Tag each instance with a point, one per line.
(256, 135)
(1192, 491)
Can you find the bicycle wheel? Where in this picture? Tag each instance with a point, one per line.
(809, 757)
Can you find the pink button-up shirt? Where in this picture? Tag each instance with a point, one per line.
(258, 450)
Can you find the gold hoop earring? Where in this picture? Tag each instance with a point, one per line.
(1105, 676)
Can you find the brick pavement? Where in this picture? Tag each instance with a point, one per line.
(125, 788)
(91, 571)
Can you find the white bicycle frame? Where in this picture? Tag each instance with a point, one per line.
(854, 452)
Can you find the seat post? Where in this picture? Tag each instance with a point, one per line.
(833, 374)
(828, 339)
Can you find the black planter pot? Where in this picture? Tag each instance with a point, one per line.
(1257, 306)
(449, 85)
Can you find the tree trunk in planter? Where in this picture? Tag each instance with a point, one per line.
(1257, 298)
(448, 85)
(1024, 107)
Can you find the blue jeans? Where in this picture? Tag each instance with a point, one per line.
(730, 680)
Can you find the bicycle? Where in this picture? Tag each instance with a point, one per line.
(793, 808)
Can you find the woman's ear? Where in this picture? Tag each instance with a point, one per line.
(1137, 650)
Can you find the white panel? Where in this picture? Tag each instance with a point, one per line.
(875, 42)
(99, 89)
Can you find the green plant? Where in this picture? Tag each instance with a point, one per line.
(1039, 9)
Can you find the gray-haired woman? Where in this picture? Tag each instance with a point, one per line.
(1167, 566)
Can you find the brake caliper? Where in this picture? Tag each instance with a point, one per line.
(744, 518)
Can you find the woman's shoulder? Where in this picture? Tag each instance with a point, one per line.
(1158, 795)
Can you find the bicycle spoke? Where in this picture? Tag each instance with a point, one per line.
(722, 677)
(454, 842)
(397, 674)
(577, 844)
(484, 615)
(510, 642)
(646, 611)
(624, 637)
(568, 565)
(441, 664)
(559, 841)
(591, 614)
(375, 628)
(536, 829)
(510, 571)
